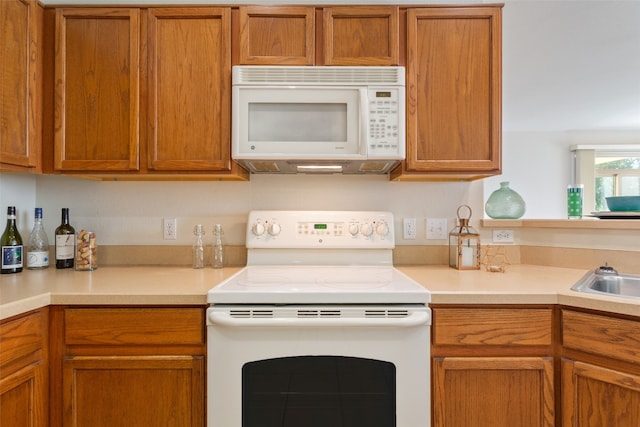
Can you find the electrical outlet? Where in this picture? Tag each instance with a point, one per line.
(170, 229)
(436, 228)
(409, 228)
(502, 236)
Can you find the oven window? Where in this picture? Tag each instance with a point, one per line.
(314, 391)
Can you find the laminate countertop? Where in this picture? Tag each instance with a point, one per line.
(172, 285)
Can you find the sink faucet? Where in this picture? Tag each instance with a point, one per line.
(605, 269)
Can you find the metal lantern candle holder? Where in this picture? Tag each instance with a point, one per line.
(464, 244)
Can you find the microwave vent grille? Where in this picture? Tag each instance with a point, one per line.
(265, 75)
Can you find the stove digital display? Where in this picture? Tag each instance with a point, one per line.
(319, 226)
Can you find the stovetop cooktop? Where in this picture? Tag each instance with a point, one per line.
(319, 257)
(326, 284)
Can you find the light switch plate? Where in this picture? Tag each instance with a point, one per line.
(436, 228)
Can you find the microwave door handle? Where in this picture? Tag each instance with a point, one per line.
(363, 118)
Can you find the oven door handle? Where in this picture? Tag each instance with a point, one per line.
(418, 318)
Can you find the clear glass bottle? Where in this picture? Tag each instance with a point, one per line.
(198, 247)
(65, 242)
(38, 245)
(218, 250)
(11, 245)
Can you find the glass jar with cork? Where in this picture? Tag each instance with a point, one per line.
(86, 251)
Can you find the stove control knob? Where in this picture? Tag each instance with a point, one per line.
(258, 229)
(353, 229)
(382, 229)
(366, 229)
(274, 229)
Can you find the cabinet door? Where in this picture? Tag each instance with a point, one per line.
(96, 92)
(283, 35)
(361, 35)
(143, 391)
(24, 371)
(594, 397)
(22, 397)
(20, 62)
(189, 89)
(454, 91)
(493, 392)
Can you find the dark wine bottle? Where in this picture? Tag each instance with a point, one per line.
(65, 242)
(12, 248)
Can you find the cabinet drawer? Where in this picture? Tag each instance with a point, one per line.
(492, 326)
(137, 326)
(20, 337)
(602, 335)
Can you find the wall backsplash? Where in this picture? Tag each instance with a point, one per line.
(130, 213)
(545, 109)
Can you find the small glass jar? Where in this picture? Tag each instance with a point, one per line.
(86, 251)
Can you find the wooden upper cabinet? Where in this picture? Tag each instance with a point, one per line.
(20, 77)
(189, 63)
(282, 35)
(453, 92)
(97, 89)
(288, 35)
(361, 35)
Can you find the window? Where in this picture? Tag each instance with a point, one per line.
(606, 170)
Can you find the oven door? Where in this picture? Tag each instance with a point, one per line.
(338, 366)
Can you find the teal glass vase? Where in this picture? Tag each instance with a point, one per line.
(505, 203)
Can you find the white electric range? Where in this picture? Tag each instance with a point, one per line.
(319, 328)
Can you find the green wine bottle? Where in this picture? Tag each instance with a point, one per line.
(12, 248)
(65, 242)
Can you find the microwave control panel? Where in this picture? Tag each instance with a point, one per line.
(386, 121)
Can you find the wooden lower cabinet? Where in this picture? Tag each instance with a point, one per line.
(134, 367)
(593, 396)
(24, 371)
(133, 391)
(493, 392)
(600, 369)
(493, 366)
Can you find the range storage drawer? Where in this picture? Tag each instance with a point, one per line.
(134, 326)
(492, 326)
(601, 335)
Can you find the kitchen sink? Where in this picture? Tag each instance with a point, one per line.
(607, 281)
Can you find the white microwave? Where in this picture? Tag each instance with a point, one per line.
(297, 119)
